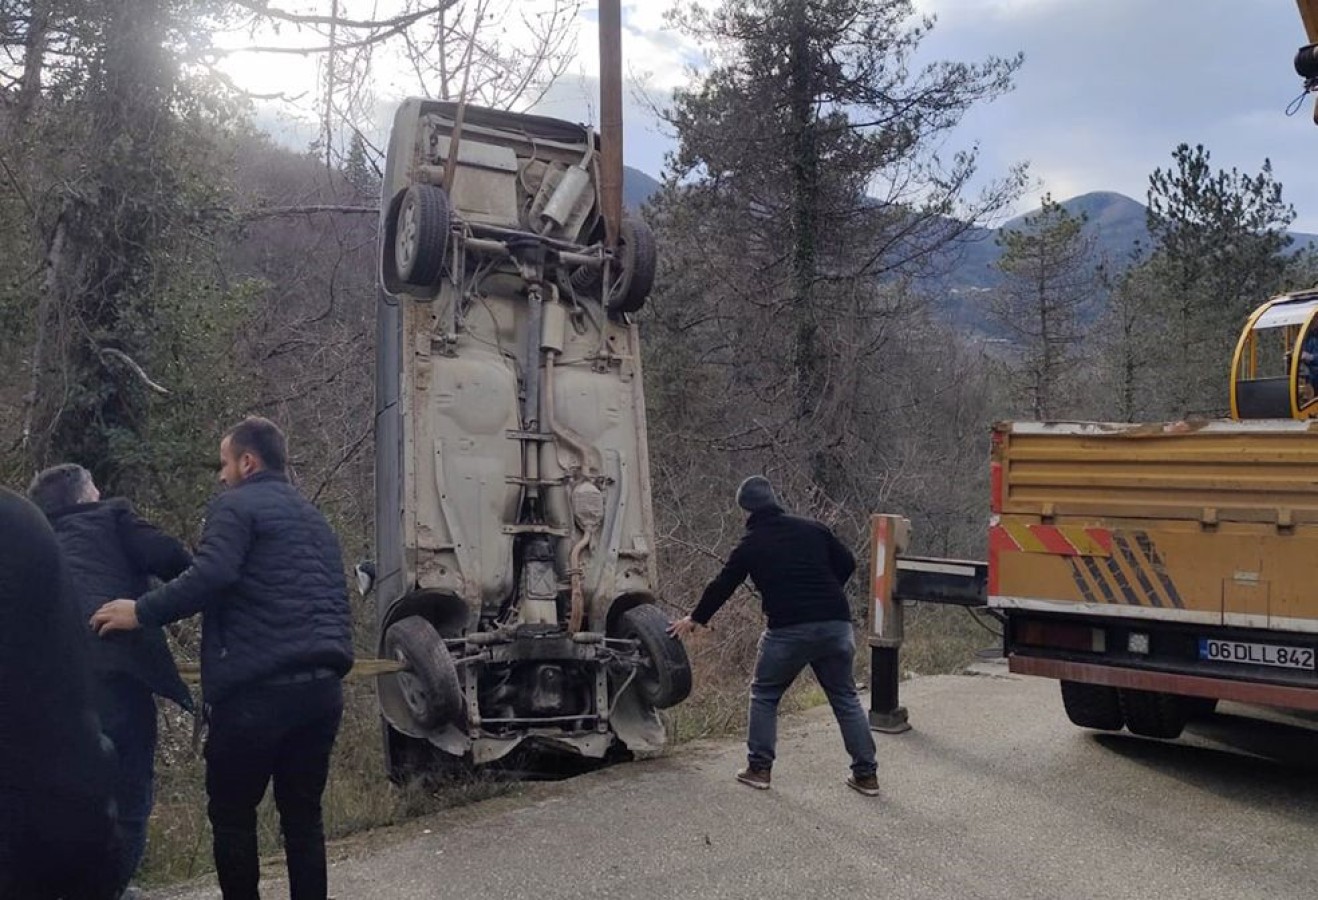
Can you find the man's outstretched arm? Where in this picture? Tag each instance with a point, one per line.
(217, 565)
(716, 593)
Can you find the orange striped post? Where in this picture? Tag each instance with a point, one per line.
(889, 536)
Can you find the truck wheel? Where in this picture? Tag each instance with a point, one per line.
(1092, 705)
(429, 684)
(420, 234)
(1199, 707)
(1153, 714)
(664, 677)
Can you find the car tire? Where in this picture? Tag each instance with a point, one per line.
(1153, 714)
(429, 684)
(637, 258)
(664, 678)
(419, 234)
(1092, 706)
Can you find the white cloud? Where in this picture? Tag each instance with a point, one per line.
(977, 10)
(655, 61)
(650, 49)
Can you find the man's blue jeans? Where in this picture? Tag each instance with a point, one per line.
(829, 648)
(128, 718)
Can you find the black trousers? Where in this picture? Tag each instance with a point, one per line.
(128, 718)
(57, 848)
(281, 733)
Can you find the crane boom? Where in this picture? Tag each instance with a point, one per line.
(1306, 58)
(1309, 13)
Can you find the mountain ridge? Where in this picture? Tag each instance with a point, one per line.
(963, 274)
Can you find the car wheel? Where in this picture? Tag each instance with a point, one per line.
(638, 259)
(633, 277)
(664, 676)
(420, 229)
(429, 685)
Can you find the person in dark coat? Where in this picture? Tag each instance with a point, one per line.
(109, 551)
(276, 640)
(57, 830)
(1309, 360)
(799, 568)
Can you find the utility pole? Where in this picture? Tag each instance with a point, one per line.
(610, 20)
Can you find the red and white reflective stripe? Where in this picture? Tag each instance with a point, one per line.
(880, 578)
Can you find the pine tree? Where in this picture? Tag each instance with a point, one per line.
(1048, 266)
(357, 169)
(805, 186)
(1221, 241)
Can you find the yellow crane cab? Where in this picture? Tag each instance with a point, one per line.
(1274, 373)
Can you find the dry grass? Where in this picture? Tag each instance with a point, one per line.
(943, 639)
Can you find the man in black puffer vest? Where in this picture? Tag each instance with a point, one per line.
(799, 567)
(109, 552)
(276, 640)
(57, 830)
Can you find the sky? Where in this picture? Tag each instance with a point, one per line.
(1107, 90)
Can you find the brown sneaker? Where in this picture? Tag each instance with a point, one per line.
(753, 777)
(863, 784)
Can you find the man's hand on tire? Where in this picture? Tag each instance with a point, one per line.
(682, 627)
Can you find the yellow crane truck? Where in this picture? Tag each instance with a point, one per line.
(1154, 569)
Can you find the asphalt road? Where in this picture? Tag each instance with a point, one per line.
(993, 794)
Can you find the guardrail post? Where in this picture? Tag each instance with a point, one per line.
(889, 536)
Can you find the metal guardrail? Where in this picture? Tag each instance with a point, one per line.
(957, 582)
(894, 580)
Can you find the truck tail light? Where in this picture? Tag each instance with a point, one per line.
(1061, 636)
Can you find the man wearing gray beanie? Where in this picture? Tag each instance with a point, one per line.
(799, 568)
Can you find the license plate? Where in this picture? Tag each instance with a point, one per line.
(1256, 654)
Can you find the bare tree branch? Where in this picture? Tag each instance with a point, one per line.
(127, 360)
(353, 449)
(396, 23)
(271, 212)
(218, 52)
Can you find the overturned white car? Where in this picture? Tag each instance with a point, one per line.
(515, 567)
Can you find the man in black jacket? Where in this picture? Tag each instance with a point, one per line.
(109, 552)
(57, 831)
(276, 640)
(799, 567)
